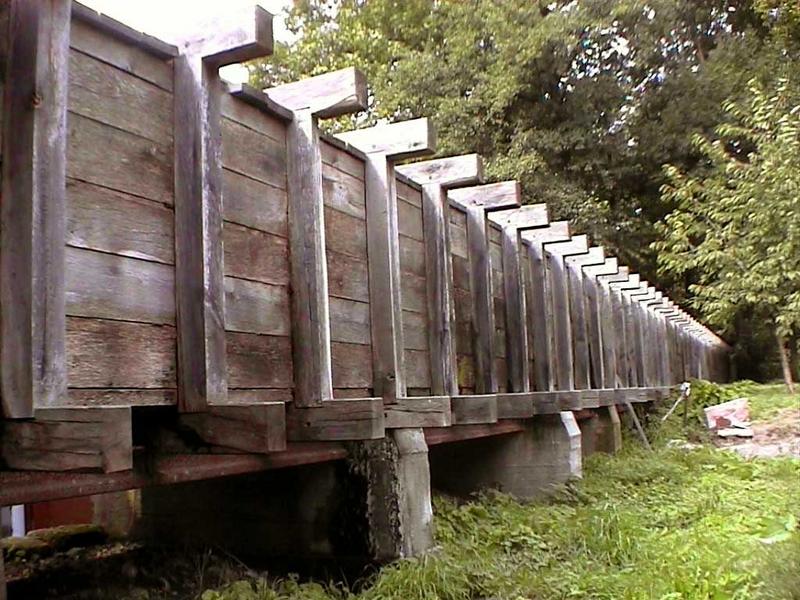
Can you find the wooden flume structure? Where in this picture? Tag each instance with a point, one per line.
(200, 251)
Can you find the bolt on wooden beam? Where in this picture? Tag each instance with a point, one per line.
(33, 211)
(436, 177)
(199, 271)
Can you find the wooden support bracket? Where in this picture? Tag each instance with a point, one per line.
(337, 420)
(33, 211)
(513, 222)
(436, 177)
(70, 439)
(541, 307)
(477, 201)
(383, 145)
(329, 95)
(601, 321)
(546, 403)
(518, 405)
(235, 36)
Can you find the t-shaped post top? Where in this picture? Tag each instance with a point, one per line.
(454, 171)
(325, 96)
(404, 139)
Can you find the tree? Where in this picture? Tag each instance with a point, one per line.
(736, 229)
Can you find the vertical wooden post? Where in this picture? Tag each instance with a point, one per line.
(513, 222)
(559, 291)
(540, 310)
(602, 333)
(329, 95)
(622, 323)
(383, 145)
(199, 271)
(436, 177)
(643, 348)
(476, 201)
(33, 213)
(580, 319)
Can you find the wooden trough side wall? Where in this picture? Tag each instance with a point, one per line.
(120, 297)
(526, 266)
(498, 291)
(348, 275)
(256, 254)
(413, 274)
(462, 298)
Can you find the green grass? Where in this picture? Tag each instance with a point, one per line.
(668, 524)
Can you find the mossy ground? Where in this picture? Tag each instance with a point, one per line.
(666, 524)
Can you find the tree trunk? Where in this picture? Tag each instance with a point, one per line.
(787, 369)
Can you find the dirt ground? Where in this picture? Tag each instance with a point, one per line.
(776, 436)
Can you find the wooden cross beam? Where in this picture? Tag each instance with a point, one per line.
(476, 201)
(598, 299)
(199, 271)
(584, 321)
(555, 254)
(33, 210)
(383, 146)
(513, 222)
(436, 177)
(540, 308)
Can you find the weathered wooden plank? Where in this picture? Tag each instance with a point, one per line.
(33, 213)
(412, 257)
(109, 95)
(258, 361)
(474, 409)
(348, 277)
(118, 354)
(415, 330)
(343, 191)
(70, 439)
(108, 221)
(329, 95)
(350, 321)
(255, 307)
(345, 234)
(413, 294)
(121, 397)
(254, 204)
(105, 156)
(91, 40)
(352, 365)
(579, 320)
(518, 405)
(337, 420)
(259, 428)
(418, 369)
(601, 331)
(255, 255)
(249, 107)
(250, 153)
(117, 287)
(419, 412)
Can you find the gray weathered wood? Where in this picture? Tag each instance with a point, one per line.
(540, 307)
(579, 320)
(474, 409)
(70, 439)
(513, 222)
(602, 338)
(339, 420)
(555, 253)
(383, 145)
(435, 177)
(476, 201)
(251, 427)
(33, 215)
(199, 262)
(327, 95)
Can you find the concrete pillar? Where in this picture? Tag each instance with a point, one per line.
(601, 432)
(526, 464)
(399, 510)
(374, 506)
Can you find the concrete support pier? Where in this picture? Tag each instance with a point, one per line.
(375, 506)
(526, 464)
(601, 432)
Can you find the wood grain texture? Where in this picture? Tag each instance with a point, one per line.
(255, 255)
(419, 412)
(70, 439)
(33, 213)
(258, 428)
(474, 409)
(258, 361)
(337, 420)
(515, 405)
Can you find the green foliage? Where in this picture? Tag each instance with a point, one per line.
(702, 524)
(736, 228)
